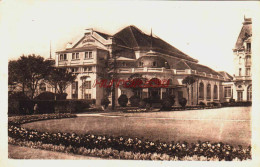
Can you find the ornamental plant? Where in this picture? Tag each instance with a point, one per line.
(123, 100)
(134, 101)
(105, 102)
(183, 102)
(168, 102)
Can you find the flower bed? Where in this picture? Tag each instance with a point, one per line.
(118, 147)
(136, 110)
(17, 120)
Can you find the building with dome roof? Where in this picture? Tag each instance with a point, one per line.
(135, 54)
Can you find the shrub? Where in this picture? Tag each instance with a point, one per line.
(17, 96)
(45, 96)
(45, 106)
(62, 96)
(105, 102)
(134, 101)
(142, 104)
(201, 103)
(168, 102)
(183, 102)
(123, 100)
(232, 101)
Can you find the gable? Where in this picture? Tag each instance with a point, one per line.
(88, 40)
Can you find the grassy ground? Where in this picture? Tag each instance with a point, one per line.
(17, 152)
(229, 125)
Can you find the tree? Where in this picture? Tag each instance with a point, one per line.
(189, 80)
(60, 79)
(28, 71)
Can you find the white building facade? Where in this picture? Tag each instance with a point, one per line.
(137, 54)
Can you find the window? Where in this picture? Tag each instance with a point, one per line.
(227, 91)
(87, 84)
(75, 90)
(248, 71)
(209, 92)
(248, 47)
(240, 95)
(154, 64)
(63, 56)
(88, 69)
(124, 64)
(74, 69)
(75, 56)
(88, 55)
(141, 64)
(239, 72)
(249, 93)
(215, 92)
(87, 96)
(248, 60)
(201, 91)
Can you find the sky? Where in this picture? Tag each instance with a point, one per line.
(206, 31)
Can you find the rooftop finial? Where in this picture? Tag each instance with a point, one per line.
(151, 39)
(50, 49)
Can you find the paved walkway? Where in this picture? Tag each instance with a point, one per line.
(17, 152)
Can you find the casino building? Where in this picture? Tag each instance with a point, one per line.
(135, 53)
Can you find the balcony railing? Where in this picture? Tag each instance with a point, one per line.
(243, 78)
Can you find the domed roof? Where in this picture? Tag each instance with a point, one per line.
(152, 61)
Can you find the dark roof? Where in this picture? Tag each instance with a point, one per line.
(245, 33)
(201, 68)
(134, 38)
(226, 75)
(180, 65)
(106, 36)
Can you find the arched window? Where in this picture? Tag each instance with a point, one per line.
(249, 93)
(208, 91)
(201, 91)
(215, 92)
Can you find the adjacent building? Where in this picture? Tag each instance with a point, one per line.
(242, 88)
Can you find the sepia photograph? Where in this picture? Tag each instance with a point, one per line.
(160, 82)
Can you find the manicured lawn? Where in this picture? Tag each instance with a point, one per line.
(229, 125)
